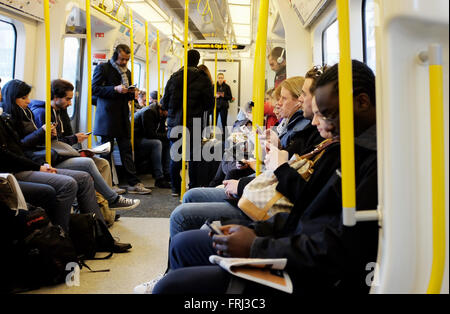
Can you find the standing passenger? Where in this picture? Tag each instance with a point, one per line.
(200, 98)
(110, 85)
(223, 96)
(277, 62)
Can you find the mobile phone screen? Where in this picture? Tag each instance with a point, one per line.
(214, 229)
(88, 133)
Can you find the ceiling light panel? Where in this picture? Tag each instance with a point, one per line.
(239, 2)
(240, 14)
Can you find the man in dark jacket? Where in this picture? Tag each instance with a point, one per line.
(223, 96)
(151, 142)
(200, 98)
(110, 84)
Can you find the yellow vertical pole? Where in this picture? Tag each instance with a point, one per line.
(185, 72)
(259, 76)
(437, 168)
(48, 137)
(159, 64)
(346, 115)
(147, 62)
(89, 70)
(132, 76)
(215, 97)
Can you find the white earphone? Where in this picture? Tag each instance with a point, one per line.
(280, 60)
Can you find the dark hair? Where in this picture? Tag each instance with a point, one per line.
(363, 83)
(60, 88)
(193, 58)
(119, 48)
(154, 95)
(277, 52)
(314, 74)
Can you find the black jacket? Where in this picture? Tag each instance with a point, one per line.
(223, 102)
(112, 115)
(323, 255)
(12, 157)
(200, 97)
(148, 123)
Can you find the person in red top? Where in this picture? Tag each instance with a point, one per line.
(269, 105)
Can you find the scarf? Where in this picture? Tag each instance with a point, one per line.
(122, 71)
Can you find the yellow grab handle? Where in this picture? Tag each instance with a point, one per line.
(437, 168)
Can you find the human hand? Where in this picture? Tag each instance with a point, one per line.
(47, 168)
(81, 137)
(236, 241)
(121, 89)
(272, 139)
(275, 158)
(231, 187)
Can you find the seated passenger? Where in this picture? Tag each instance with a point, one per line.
(15, 103)
(200, 205)
(152, 144)
(269, 105)
(323, 256)
(181, 217)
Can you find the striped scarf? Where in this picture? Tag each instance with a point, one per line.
(122, 71)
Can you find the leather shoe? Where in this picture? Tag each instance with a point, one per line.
(121, 247)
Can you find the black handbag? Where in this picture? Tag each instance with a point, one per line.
(90, 235)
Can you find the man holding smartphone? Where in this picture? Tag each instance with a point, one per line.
(111, 85)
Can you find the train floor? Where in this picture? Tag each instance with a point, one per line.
(147, 229)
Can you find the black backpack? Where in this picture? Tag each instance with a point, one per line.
(46, 254)
(90, 235)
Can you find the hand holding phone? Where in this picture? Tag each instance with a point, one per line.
(214, 229)
(131, 88)
(88, 133)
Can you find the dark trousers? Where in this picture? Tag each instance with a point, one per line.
(223, 118)
(126, 156)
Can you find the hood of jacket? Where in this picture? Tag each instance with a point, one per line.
(36, 104)
(9, 95)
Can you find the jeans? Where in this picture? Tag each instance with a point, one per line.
(201, 204)
(68, 184)
(88, 165)
(157, 152)
(42, 195)
(189, 259)
(126, 156)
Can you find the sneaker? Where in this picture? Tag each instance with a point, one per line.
(175, 193)
(139, 189)
(118, 190)
(147, 287)
(123, 203)
(162, 183)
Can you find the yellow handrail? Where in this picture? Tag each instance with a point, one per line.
(48, 135)
(132, 76)
(185, 71)
(159, 63)
(437, 168)
(112, 16)
(147, 73)
(89, 70)
(259, 77)
(346, 115)
(215, 98)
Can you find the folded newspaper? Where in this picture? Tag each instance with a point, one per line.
(102, 149)
(266, 271)
(10, 192)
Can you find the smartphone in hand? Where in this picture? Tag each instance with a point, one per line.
(131, 88)
(88, 133)
(214, 229)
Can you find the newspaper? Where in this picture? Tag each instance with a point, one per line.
(10, 192)
(266, 271)
(102, 149)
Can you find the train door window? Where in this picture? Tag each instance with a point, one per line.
(330, 44)
(8, 35)
(71, 69)
(369, 49)
(137, 74)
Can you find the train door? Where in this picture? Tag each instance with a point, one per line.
(232, 71)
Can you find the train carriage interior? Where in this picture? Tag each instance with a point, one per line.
(404, 43)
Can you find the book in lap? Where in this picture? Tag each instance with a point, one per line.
(266, 271)
(102, 149)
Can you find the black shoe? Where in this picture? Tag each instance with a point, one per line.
(162, 183)
(121, 247)
(116, 217)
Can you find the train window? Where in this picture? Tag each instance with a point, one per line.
(71, 68)
(8, 35)
(368, 14)
(330, 44)
(137, 74)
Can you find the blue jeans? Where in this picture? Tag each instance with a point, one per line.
(88, 165)
(199, 205)
(157, 152)
(68, 184)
